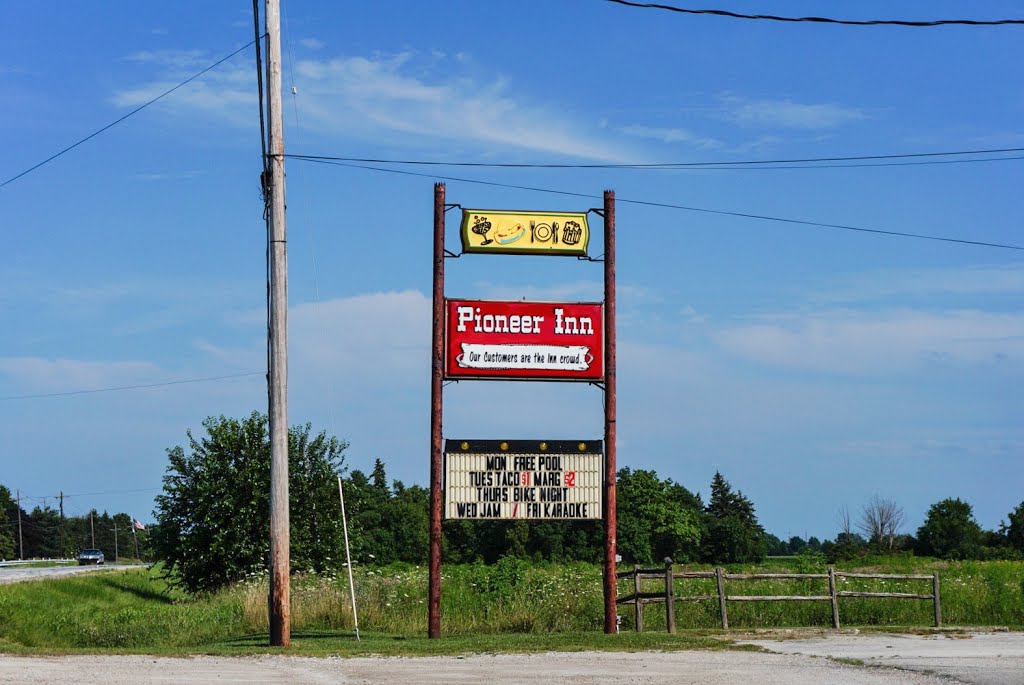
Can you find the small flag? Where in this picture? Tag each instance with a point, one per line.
(138, 524)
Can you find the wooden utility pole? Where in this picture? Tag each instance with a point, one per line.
(61, 555)
(21, 544)
(92, 528)
(610, 509)
(115, 543)
(280, 592)
(436, 390)
(135, 536)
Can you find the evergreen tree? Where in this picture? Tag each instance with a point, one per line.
(733, 532)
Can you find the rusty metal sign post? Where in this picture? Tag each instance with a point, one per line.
(475, 339)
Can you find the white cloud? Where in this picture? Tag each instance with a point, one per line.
(1005, 279)
(853, 342)
(671, 135)
(379, 333)
(311, 43)
(226, 95)
(380, 96)
(177, 59)
(788, 114)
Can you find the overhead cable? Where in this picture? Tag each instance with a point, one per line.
(757, 163)
(131, 113)
(667, 205)
(110, 492)
(822, 20)
(130, 387)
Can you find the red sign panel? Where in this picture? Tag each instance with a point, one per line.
(524, 340)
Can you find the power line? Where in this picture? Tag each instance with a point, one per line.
(757, 163)
(110, 492)
(822, 20)
(666, 205)
(131, 113)
(131, 387)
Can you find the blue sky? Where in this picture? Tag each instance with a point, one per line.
(813, 367)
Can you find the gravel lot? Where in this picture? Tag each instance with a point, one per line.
(577, 668)
(976, 658)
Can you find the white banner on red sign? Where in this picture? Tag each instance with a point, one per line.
(552, 357)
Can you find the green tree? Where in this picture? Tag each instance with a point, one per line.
(8, 524)
(213, 518)
(371, 532)
(949, 531)
(1014, 530)
(656, 518)
(41, 533)
(733, 532)
(409, 512)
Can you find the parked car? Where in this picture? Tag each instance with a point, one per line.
(90, 556)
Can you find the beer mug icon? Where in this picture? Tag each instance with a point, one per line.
(572, 233)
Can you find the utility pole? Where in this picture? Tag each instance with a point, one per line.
(135, 536)
(21, 544)
(61, 524)
(610, 356)
(115, 543)
(436, 416)
(280, 591)
(92, 528)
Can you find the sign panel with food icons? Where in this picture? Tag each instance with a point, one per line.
(523, 479)
(507, 232)
(524, 340)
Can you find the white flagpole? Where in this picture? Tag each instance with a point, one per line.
(348, 559)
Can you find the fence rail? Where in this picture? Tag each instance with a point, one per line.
(638, 598)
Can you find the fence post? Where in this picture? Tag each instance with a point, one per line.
(721, 597)
(670, 598)
(637, 606)
(938, 604)
(832, 595)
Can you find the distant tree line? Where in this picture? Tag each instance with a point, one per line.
(213, 518)
(45, 534)
(949, 531)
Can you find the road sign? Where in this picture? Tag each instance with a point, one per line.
(524, 340)
(508, 232)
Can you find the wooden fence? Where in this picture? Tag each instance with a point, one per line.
(668, 597)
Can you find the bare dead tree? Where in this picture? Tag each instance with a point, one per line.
(881, 520)
(845, 522)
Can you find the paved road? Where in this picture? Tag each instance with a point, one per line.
(975, 658)
(15, 574)
(576, 668)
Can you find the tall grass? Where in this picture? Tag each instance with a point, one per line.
(135, 609)
(973, 593)
(123, 609)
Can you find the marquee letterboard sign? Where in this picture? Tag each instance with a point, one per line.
(523, 479)
(524, 340)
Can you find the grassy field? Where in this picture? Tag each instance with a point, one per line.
(510, 606)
